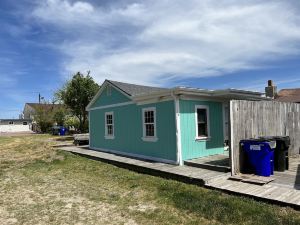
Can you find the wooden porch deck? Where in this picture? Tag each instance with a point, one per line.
(284, 190)
(219, 162)
(291, 177)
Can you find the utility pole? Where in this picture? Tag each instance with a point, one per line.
(39, 98)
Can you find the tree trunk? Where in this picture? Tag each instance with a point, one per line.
(84, 117)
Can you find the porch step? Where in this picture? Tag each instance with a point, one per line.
(207, 166)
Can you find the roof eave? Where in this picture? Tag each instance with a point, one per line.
(238, 91)
(157, 94)
(227, 94)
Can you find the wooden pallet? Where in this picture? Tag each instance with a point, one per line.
(251, 178)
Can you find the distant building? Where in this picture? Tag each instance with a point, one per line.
(284, 95)
(15, 125)
(30, 110)
(289, 95)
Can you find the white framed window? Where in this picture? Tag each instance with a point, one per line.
(149, 124)
(109, 125)
(11, 122)
(202, 122)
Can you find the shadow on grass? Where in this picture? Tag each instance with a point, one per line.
(65, 138)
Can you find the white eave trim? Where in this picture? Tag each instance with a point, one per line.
(167, 95)
(152, 96)
(111, 106)
(221, 94)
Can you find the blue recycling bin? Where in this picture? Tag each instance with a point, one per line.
(259, 156)
(62, 131)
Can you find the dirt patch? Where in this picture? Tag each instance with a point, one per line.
(143, 207)
(15, 134)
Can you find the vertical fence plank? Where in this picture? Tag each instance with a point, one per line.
(250, 119)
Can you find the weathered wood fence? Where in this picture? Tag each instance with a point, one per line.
(251, 119)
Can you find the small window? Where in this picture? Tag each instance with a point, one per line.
(25, 123)
(109, 125)
(202, 122)
(149, 124)
(10, 122)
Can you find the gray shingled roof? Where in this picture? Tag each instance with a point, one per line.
(45, 106)
(134, 89)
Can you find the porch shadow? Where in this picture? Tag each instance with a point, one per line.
(218, 162)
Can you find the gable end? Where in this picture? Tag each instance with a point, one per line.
(108, 95)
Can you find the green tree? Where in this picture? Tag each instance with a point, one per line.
(44, 119)
(59, 116)
(72, 121)
(76, 95)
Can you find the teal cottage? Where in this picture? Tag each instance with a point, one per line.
(161, 124)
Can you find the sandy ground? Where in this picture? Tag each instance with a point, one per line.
(15, 134)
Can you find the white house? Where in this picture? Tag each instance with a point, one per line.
(15, 125)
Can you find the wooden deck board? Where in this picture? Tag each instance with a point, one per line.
(218, 162)
(279, 191)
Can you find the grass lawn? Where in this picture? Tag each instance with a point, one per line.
(40, 185)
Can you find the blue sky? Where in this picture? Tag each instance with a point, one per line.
(206, 44)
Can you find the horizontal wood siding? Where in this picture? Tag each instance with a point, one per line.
(251, 119)
(128, 127)
(115, 97)
(192, 148)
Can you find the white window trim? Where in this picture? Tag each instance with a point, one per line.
(225, 105)
(197, 138)
(149, 138)
(108, 136)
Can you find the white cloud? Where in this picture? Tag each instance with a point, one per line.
(62, 12)
(172, 40)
